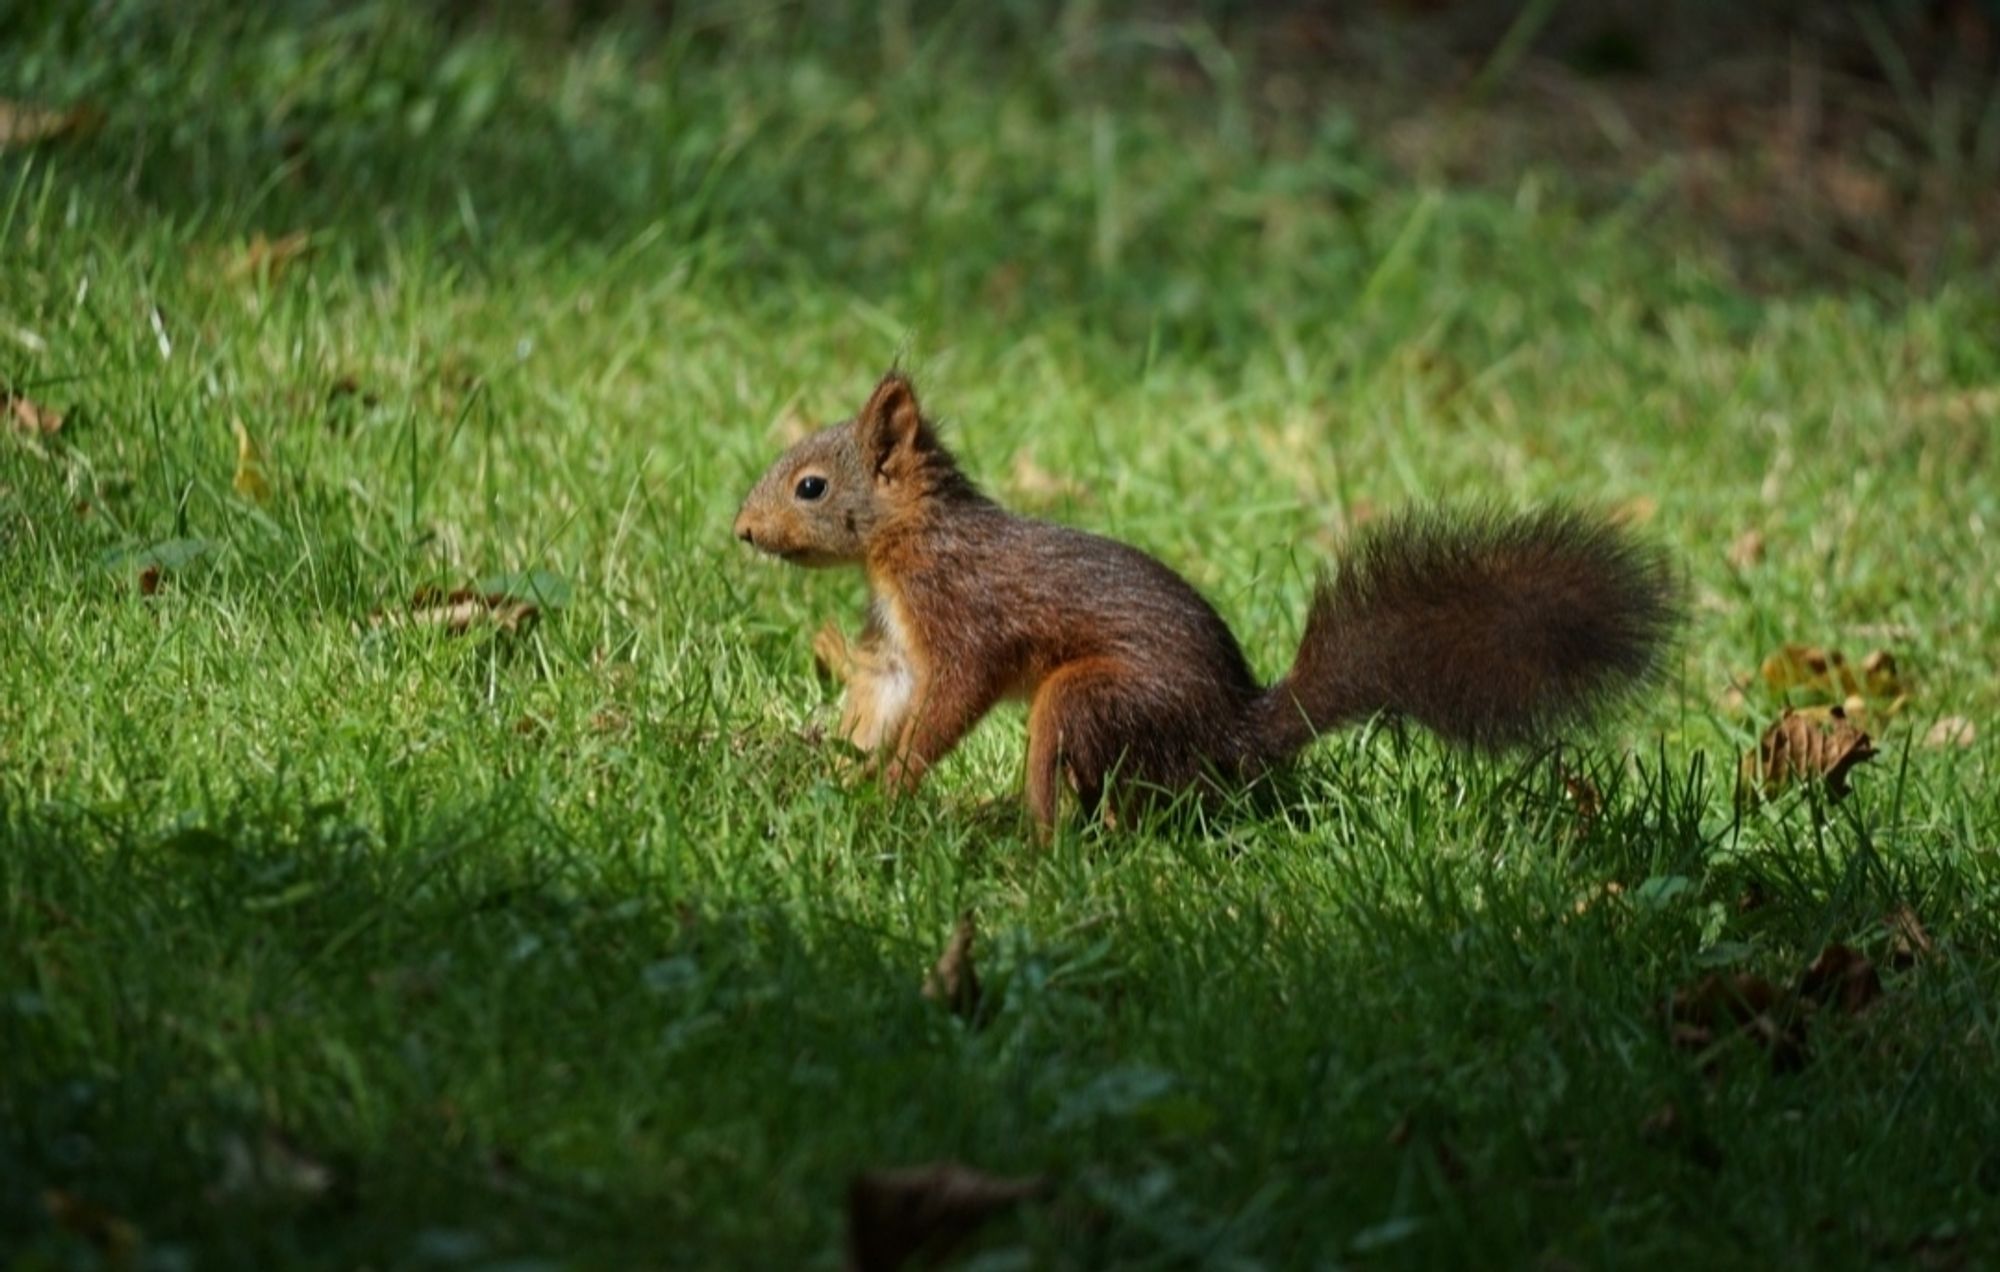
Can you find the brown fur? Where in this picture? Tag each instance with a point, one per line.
(1486, 629)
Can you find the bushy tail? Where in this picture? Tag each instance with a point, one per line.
(1488, 629)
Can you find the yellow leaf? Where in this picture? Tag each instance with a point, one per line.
(28, 416)
(268, 258)
(1951, 731)
(1878, 671)
(1822, 673)
(24, 124)
(250, 482)
(1747, 550)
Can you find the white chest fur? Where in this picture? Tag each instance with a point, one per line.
(884, 685)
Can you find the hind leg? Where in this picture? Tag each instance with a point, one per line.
(1080, 726)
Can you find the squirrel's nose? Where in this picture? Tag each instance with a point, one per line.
(743, 531)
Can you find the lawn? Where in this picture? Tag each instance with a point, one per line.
(337, 936)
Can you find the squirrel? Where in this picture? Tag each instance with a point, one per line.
(1487, 629)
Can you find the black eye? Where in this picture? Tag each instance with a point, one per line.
(810, 487)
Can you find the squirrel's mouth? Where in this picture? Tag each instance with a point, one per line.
(806, 557)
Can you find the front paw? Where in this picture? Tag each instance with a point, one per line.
(831, 654)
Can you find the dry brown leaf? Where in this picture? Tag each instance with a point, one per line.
(25, 124)
(250, 480)
(1879, 678)
(1821, 672)
(460, 611)
(1588, 799)
(610, 721)
(1800, 746)
(1609, 890)
(1951, 731)
(1854, 711)
(1958, 406)
(30, 417)
(114, 1238)
(1747, 550)
(1908, 942)
(1719, 1006)
(952, 981)
(1841, 977)
(1732, 699)
(1854, 191)
(1827, 676)
(267, 258)
(149, 579)
(924, 1211)
(1636, 511)
(1038, 485)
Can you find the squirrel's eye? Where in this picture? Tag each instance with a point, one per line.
(810, 487)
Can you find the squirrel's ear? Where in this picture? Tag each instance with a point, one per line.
(891, 426)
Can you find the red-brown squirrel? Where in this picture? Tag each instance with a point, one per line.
(1487, 629)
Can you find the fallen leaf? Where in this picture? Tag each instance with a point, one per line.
(1747, 550)
(267, 259)
(1878, 675)
(1854, 711)
(460, 611)
(1908, 942)
(250, 480)
(149, 579)
(24, 124)
(1799, 746)
(1720, 1006)
(1038, 485)
(1821, 672)
(1610, 890)
(1841, 977)
(29, 416)
(1589, 801)
(1951, 731)
(1635, 511)
(1732, 698)
(610, 720)
(952, 981)
(114, 1238)
(896, 1215)
(1958, 406)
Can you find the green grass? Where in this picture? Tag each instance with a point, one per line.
(579, 948)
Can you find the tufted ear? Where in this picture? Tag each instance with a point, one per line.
(891, 428)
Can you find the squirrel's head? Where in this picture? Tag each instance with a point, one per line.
(821, 502)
